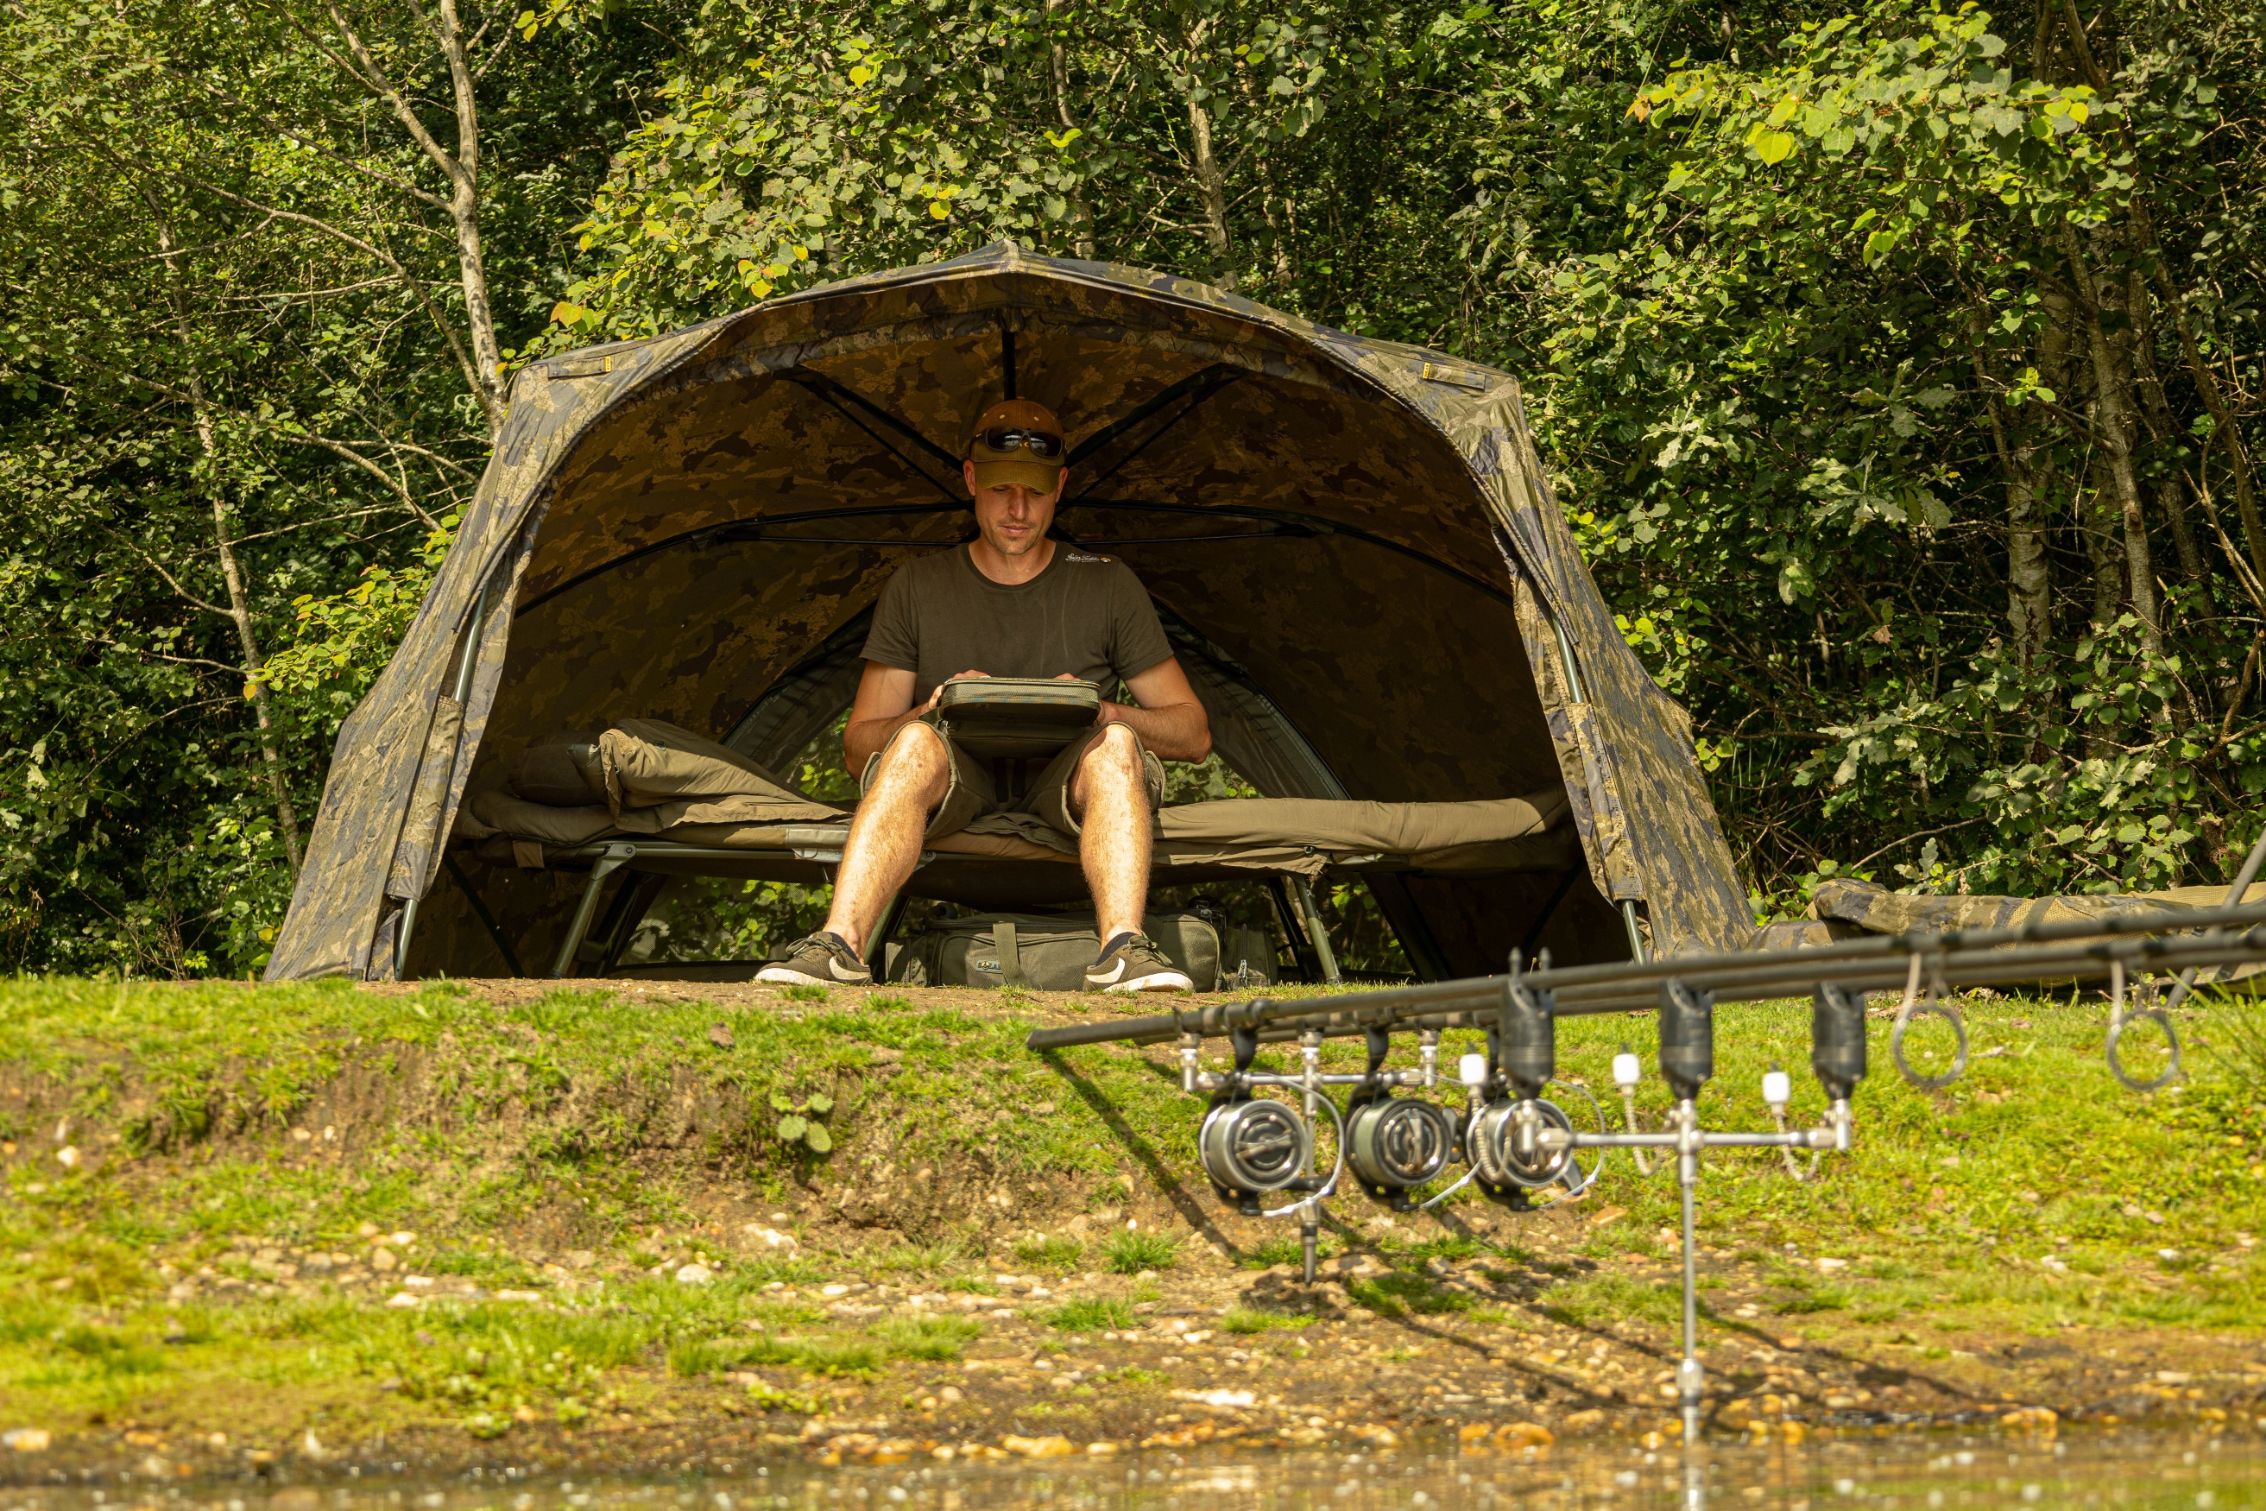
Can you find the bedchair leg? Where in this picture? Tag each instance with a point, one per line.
(633, 902)
(487, 919)
(1310, 919)
(1533, 939)
(601, 868)
(877, 943)
(1286, 913)
(1636, 931)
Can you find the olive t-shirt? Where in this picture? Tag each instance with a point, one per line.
(1085, 614)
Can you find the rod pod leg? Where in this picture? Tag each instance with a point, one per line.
(1691, 1379)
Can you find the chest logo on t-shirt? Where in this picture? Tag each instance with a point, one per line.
(1080, 556)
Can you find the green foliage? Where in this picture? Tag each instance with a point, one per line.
(235, 418)
(1805, 301)
(801, 1126)
(340, 642)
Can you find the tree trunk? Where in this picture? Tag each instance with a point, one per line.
(464, 211)
(1211, 184)
(1274, 205)
(239, 603)
(462, 170)
(2163, 429)
(2029, 584)
(1058, 61)
(2113, 434)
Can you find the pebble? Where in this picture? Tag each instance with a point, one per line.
(1222, 1399)
(26, 1439)
(68, 1157)
(694, 1274)
(382, 1260)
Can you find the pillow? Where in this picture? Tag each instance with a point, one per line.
(646, 762)
(561, 772)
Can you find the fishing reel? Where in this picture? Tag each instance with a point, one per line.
(1397, 1143)
(1250, 1146)
(1517, 1140)
(1510, 1154)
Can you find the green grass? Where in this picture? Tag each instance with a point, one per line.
(1090, 1316)
(1400, 1294)
(1268, 1253)
(817, 1354)
(1245, 1321)
(1600, 1300)
(615, 1122)
(459, 1119)
(1131, 1251)
(933, 1338)
(1050, 1251)
(925, 1260)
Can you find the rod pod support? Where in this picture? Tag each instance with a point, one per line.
(1687, 1063)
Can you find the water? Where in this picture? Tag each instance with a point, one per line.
(2136, 1470)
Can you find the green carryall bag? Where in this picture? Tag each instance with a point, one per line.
(1047, 953)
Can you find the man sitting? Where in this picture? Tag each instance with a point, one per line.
(1016, 604)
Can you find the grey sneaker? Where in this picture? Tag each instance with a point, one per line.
(1131, 963)
(820, 959)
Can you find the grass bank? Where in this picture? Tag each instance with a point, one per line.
(660, 1224)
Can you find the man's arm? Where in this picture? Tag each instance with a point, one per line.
(883, 706)
(1169, 721)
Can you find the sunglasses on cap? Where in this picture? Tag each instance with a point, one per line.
(1038, 443)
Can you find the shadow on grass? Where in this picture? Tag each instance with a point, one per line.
(1189, 1206)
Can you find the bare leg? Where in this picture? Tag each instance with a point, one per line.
(1109, 795)
(885, 835)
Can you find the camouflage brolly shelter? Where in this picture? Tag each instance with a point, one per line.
(1350, 540)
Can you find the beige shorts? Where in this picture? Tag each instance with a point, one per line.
(974, 786)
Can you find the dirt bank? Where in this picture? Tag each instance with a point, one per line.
(279, 1229)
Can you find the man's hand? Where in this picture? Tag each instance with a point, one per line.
(883, 706)
(936, 693)
(1169, 719)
